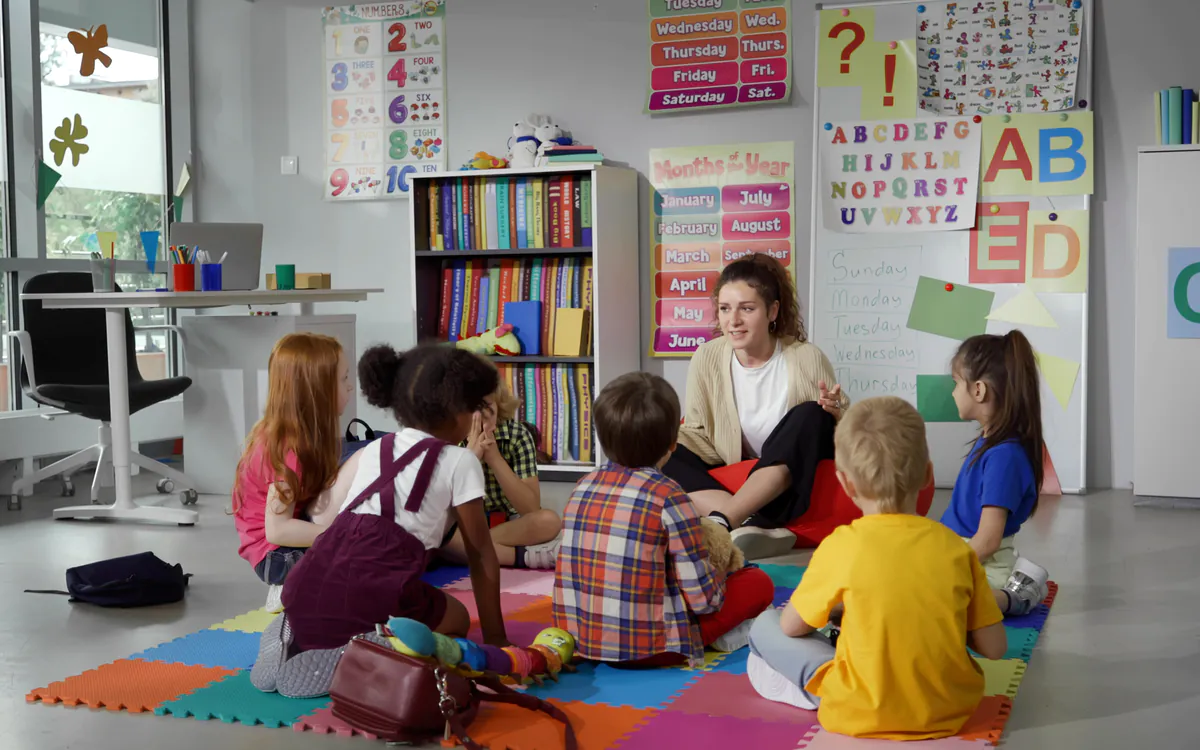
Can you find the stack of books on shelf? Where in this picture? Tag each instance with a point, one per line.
(576, 154)
(557, 399)
(1176, 116)
(482, 213)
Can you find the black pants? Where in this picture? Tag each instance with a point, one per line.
(801, 440)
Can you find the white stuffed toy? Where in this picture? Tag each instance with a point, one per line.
(524, 150)
(549, 135)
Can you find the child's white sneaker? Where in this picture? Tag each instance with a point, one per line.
(737, 638)
(773, 686)
(543, 556)
(1026, 587)
(274, 603)
(757, 542)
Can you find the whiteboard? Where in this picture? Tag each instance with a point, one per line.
(862, 287)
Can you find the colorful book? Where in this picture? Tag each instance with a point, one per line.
(481, 235)
(546, 418)
(574, 159)
(549, 302)
(469, 209)
(1195, 118)
(522, 240)
(526, 291)
(528, 211)
(1166, 118)
(435, 239)
(572, 413)
(564, 414)
(554, 207)
(492, 199)
(494, 294)
(570, 332)
(567, 212)
(481, 304)
(472, 301)
(576, 283)
(557, 406)
(586, 301)
(503, 242)
(585, 212)
(460, 218)
(506, 288)
(530, 394)
(1189, 97)
(511, 186)
(577, 208)
(583, 378)
(449, 226)
(539, 213)
(526, 320)
(1175, 113)
(444, 302)
(457, 299)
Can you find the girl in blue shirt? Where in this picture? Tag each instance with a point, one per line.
(996, 385)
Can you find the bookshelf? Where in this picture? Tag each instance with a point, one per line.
(615, 323)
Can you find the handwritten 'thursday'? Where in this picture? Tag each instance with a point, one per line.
(901, 187)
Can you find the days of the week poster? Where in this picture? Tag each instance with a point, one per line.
(711, 206)
(383, 97)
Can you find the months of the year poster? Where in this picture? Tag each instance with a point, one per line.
(384, 97)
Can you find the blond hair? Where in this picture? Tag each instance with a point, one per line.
(506, 403)
(880, 446)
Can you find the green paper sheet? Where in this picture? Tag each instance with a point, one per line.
(935, 399)
(958, 314)
(177, 205)
(47, 179)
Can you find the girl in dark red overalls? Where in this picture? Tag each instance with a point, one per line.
(366, 566)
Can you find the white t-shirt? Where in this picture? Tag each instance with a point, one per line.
(457, 479)
(761, 395)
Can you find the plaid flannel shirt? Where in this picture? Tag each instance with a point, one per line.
(633, 571)
(518, 450)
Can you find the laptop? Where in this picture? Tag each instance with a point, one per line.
(242, 242)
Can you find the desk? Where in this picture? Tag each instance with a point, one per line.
(114, 305)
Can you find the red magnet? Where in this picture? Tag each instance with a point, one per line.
(949, 287)
(977, 118)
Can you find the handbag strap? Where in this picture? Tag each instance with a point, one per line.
(368, 434)
(501, 693)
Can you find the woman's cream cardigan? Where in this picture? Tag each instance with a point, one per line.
(711, 428)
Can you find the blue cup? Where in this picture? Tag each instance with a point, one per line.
(210, 277)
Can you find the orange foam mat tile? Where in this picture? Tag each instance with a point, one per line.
(987, 723)
(1052, 587)
(538, 611)
(501, 726)
(129, 685)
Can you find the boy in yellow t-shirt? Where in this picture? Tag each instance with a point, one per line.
(910, 593)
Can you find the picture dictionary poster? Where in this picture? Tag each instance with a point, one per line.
(706, 54)
(711, 206)
(384, 97)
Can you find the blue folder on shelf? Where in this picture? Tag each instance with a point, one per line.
(526, 320)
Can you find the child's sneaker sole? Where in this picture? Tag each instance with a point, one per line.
(1032, 570)
(773, 686)
(735, 639)
(756, 542)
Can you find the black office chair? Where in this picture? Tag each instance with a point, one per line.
(64, 356)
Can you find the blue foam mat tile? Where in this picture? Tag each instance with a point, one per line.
(600, 684)
(444, 574)
(231, 649)
(235, 699)
(735, 663)
(1035, 619)
(784, 576)
(782, 595)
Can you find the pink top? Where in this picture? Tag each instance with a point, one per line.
(253, 481)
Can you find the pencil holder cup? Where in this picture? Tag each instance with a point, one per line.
(210, 277)
(183, 277)
(285, 276)
(102, 275)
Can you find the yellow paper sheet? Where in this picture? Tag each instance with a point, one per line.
(1059, 375)
(1025, 309)
(831, 52)
(107, 241)
(1057, 251)
(904, 83)
(1014, 148)
(185, 176)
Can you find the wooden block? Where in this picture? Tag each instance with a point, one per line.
(306, 281)
(570, 332)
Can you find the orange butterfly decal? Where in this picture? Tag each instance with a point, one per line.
(89, 46)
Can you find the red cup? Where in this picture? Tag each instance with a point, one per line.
(183, 277)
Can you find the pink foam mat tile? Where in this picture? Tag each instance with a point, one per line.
(322, 721)
(509, 603)
(514, 581)
(674, 729)
(724, 694)
(826, 740)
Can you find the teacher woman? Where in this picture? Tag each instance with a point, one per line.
(758, 390)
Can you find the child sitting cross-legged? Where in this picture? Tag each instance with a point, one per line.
(634, 584)
(912, 596)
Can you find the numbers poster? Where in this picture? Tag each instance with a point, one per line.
(711, 206)
(384, 97)
(719, 53)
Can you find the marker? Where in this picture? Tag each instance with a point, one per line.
(223, 257)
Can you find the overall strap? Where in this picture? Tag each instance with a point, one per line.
(385, 483)
(416, 495)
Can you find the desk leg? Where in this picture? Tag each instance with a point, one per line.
(306, 308)
(118, 386)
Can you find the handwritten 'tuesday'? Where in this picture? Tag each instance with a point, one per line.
(900, 175)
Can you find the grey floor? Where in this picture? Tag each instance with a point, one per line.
(1117, 667)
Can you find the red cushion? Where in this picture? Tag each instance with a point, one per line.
(828, 508)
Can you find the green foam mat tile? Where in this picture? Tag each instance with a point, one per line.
(784, 576)
(234, 699)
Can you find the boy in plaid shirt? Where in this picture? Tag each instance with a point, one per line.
(634, 584)
(523, 532)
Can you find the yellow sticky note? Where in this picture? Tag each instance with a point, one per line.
(845, 46)
(890, 88)
(1057, 251)
(1024, 309)
(1034, 154)
(185, 176)
(1059, 375)
(107, 242)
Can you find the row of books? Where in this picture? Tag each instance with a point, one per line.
(474, 294)
(576, 154)
(557, 399)
(1176, 116)
(513, 213)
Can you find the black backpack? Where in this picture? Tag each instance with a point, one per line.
(132, 581)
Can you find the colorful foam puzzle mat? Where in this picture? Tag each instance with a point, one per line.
(206, 675)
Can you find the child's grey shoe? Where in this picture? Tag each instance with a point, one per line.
(309, 674)
(1026, 587)
(737, 638)
(757, 542)
(272, 650)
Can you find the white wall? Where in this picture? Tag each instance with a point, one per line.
(258, 71)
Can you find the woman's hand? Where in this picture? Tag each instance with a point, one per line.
(830, 399)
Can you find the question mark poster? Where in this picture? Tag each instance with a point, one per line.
(383, 97)
(850, 55)
(709, 54)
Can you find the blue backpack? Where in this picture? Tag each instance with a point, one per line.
(132, 581)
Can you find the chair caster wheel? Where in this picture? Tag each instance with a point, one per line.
(14, 502)
(68, 488)
(187, 524)
(165, 486)
(188, 497)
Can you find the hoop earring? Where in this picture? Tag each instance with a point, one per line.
(771, 327)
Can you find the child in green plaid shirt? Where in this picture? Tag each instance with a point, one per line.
(528, 534)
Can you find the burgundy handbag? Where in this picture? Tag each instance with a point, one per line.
(402, 699)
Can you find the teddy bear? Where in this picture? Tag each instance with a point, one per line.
(524, 150)
(722, 552)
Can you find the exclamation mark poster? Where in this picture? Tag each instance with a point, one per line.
(884, 69)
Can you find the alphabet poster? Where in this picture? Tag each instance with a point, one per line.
(706, 54)
(384, 97)
(710, 206)
(899, 176)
